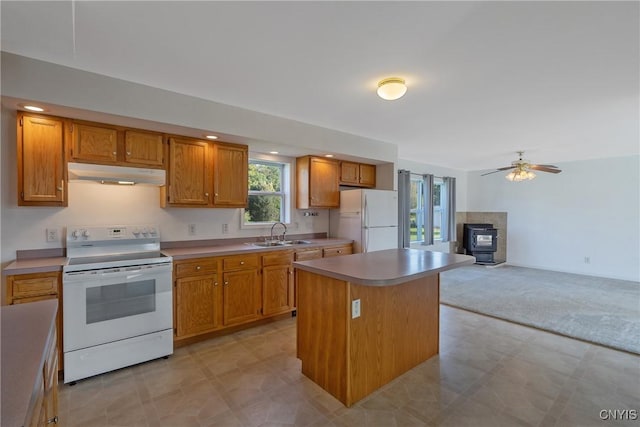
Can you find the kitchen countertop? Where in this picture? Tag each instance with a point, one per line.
(385, 268)
(34, 265)
(25, 329)
(241, 248)
(52, 264)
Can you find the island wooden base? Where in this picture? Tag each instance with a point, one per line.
(350, 358)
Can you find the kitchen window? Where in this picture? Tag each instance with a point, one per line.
(269, 192)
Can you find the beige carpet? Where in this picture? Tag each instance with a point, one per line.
(599, 310)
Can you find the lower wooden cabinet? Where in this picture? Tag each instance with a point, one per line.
(241, 290)
(49, 411)
(277, 282)
(197, 296)
(25, 288)
(196, 304)
(337, 250)
(214, 293)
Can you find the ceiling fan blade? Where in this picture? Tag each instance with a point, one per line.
(498, 170)
(542, 168)
(548, 166)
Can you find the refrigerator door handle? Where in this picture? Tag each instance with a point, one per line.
(366, 239)
(366, 212)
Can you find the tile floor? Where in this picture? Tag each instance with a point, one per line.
(489, 373)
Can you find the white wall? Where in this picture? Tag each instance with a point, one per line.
(461, 192)
(591, 209)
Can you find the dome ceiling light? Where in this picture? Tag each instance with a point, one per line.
(391, 88)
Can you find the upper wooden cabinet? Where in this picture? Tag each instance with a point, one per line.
(317, 183)
(203, 174)
(230, 175)
(189, 182)
(357, 174)
(40, 157)
(107, 144)
(143, 148)
(94, 143)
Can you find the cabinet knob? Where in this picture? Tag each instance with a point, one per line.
(59, 188)
(128, 153)
(339, 252)
(114, 153)
(215, 194)
(226, 283)
(53, 420)
(206, 194)
(241, 262)
(215, 283)
(197, 267)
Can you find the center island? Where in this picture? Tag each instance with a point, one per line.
(365, 319)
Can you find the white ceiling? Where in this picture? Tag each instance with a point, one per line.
(557, 79)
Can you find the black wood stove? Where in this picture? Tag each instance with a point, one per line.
(480, 241)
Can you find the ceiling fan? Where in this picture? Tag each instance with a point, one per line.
(522, 169)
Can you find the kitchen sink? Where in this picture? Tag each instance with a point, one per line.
(270, 243)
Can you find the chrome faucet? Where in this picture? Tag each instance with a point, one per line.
(283, 233)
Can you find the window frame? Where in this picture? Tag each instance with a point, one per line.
(286, 208)
(419, 210)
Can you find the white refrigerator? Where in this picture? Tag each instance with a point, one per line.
(368, 217)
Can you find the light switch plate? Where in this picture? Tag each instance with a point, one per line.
(355, 308)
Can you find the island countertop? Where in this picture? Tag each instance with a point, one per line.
(26, 330)
(385, 268)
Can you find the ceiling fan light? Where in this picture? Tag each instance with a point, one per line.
(530, 175)
(392, 88)
(511, 176)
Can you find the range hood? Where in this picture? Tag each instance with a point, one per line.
(116, 174)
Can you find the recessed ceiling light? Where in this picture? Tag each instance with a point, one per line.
(273, 152)
(391, 88)
(33, 108)
(212, 137)
(328, 155)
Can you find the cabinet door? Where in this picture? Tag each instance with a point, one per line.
(241, 296)
(349, 173)
(188, 172)
(40, 162)
(196, 304)
(231, 176)
(367, 175)
(50, 370)
(277, 289)
(324, 189)
(95, 144)
(143, 148)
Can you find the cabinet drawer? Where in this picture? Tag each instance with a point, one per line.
(196, 267)
(309, 254)
(337, 251)
(277, 258)
(240, 261)
(33, 285)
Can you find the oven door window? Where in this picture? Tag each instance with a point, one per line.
(120, 300)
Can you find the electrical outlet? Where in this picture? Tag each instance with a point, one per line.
(355, 308)
(225, 228)
(52, 234)
(192, 229)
